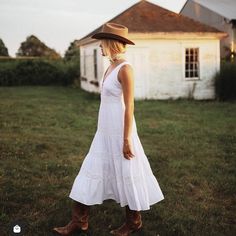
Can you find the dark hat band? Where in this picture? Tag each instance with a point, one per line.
(102, 35)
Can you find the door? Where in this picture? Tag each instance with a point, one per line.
(138, 57)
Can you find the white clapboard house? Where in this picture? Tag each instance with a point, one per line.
(173, 57)
(220, 14)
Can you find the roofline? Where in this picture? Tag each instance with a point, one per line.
(183, 6)
(108, 21)
(166, 35)
(121, 13)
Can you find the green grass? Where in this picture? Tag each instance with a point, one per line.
(45, 133)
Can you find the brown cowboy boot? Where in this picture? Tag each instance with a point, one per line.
(133, 223)
(80, 215)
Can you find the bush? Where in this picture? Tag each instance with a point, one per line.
(37, 72)
(225, 82)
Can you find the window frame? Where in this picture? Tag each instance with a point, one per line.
(84, 62)
(191, 47)
(95, 63)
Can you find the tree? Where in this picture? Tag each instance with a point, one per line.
(33, 47)
(73, 52)
(3, 49)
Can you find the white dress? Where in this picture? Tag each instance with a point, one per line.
(105, 173)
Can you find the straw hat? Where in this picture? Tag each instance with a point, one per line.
(114, 31)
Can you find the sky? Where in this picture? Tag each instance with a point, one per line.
(57, 23)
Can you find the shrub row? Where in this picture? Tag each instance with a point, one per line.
(37, 72)
(225, 82)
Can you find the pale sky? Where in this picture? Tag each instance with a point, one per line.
(59, 22)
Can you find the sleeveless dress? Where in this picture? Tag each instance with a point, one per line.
(105, 173)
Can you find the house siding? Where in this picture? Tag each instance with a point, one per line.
(166, 69)
(159, 68)
(88, 80)
(204, 15)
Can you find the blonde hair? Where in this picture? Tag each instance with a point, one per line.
(113, 48)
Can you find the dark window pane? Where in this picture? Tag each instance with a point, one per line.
(95, 62)
(191, 62)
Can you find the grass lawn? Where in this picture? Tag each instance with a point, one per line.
(45, 133)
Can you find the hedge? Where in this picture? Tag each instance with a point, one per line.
(225, 82)
(37, 72)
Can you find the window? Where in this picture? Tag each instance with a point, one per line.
(192, 63)
(95, 63)
(84, 62)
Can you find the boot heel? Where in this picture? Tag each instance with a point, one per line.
(79, 221)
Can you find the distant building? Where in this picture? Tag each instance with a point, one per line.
(174, 56)
(216, 13)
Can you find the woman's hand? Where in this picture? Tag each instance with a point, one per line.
(127, 150)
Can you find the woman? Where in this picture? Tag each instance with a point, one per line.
(116, 166)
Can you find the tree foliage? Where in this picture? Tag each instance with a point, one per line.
(73, 52)
(33, 47)
(3, 49)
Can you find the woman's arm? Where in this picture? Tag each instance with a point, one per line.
(126, 78)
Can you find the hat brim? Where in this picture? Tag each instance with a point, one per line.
(111, 36)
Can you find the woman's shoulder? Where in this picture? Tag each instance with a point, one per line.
(126, 65)
(125, 70)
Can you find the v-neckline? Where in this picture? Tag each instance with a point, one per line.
(103, 81)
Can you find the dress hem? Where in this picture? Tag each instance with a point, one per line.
(118, 202)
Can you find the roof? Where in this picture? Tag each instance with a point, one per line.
(226, 8)
(146, 17)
